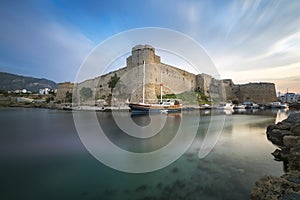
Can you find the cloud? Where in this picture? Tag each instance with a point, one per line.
(38, 46)
(285, 76)
(247, 39)
(262, 42)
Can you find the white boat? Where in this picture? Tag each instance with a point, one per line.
(225, 106)
(161, 107)
(205, 106)
(239, 107)
(275, 104)
(278, 104)
(255, 106)
(284, 106)
(250, 105)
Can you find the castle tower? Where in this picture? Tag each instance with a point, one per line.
(142, 53)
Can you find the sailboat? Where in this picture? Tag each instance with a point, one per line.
(160, 107)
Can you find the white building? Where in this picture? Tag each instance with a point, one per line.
(289, 97)
(44, 91)
(24, 91)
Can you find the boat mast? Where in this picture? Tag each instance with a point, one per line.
(161, 85)
(144, 71)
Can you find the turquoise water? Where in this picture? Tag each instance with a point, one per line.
(42, 157)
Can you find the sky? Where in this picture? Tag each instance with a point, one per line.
(249, 41)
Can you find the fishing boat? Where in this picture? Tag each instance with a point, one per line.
(166, 106)
(250, 105)
(239, 107)
(225, 106)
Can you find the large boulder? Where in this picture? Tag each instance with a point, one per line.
(295, 129)
(276, 135)
(291, 141)
(294, 117)
(286, 135)
(288, 127)
(270, 187)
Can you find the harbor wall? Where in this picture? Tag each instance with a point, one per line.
(257, 92)
(260, 93)
(62, 89)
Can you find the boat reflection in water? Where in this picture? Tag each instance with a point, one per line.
(135, 114)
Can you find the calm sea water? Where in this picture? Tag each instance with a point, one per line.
(42, 157)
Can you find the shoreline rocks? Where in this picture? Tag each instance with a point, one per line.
(286, 135)
(270, 187)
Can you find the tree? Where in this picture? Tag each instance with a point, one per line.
(113, 82)
(86, 93)
(68, 97)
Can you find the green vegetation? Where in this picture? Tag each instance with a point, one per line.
(51, 98)
(188, 97)
(113, 82)
(86, 93)
(68, 97)
(168, 96)
(4, 93)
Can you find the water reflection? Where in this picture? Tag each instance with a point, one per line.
(281, 114)
(278, 114)
(135, 144)
(44, 154)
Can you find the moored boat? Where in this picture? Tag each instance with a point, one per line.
(166, 106)
(225, 106)
(239, 107)
(278, 104)
(250, 105)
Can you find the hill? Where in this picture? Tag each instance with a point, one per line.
(11, 82)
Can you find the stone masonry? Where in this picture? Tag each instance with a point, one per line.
(62, 89)
(174, 80)
(261, 93)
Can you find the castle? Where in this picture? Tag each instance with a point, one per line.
(174, 80)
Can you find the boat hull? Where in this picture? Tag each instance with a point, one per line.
(140, 109)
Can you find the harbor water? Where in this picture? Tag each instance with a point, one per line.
(42, 157)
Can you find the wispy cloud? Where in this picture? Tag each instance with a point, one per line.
(248, 40)
(261, 37)
(36, 45)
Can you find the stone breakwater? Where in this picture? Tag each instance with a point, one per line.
(286, 135)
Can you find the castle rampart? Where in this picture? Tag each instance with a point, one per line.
(63, 89)
(261, 93)
(174, 81)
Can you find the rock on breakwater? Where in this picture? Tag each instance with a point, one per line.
(286, 135)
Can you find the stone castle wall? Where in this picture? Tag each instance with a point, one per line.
(210, 86)
(62, 89)
(231, 90)
(255, 92)
(174, 81)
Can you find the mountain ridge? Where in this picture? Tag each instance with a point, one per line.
(11, 82)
